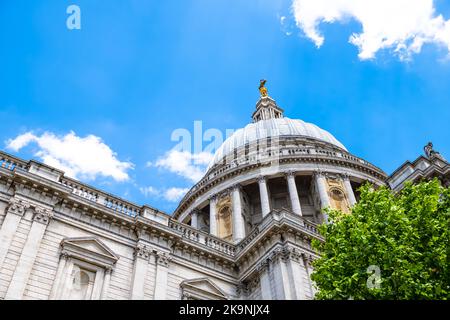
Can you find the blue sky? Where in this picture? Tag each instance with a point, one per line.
(138, 70)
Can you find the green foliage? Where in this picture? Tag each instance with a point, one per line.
(405, 235)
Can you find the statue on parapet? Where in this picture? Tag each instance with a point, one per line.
(263, 89)
(430, 152)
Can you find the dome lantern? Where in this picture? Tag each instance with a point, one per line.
(266, 107)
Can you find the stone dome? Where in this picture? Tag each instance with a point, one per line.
(273, 127)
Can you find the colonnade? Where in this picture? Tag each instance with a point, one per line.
(237, 218)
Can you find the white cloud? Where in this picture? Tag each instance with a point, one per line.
(170, 194)
(149, 191)
(185, 164)
(175, 194)
(401, 25)
(78, 157)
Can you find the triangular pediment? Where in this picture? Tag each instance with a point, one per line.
(203, 287)
(90, 248)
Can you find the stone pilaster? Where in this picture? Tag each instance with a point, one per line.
(264, 196)
(299, 278)
(26, 261)
(263, 269)
(281, 276)
(14, 213)
(142, 255)
(59, 277)
(293, 194)
(162, 270)
(238, 220)
(106, 282)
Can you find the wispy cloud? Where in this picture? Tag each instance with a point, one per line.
(403, 26)
(185, 164)
(170, 194)
(79, 157)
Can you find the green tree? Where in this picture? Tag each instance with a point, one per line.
(403, 236)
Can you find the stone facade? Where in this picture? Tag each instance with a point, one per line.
(244, 231)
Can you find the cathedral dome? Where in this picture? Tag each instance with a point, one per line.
(270, 128)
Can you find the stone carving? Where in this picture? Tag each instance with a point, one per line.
(142, 251)
(42, 215)
(17, 207)
(430, 152)
(163, 259)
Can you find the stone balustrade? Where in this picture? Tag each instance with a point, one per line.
(10, 162)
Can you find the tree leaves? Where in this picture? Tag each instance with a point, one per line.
(406, 235)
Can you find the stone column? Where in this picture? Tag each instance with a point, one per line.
(26, 261)
(59, 277)
(106, 281)
(323, 194)
(349, 190)
(264, 195)
(14, 213)
(266, 290)
(194, 219)
(162, 270)
(238, 220)
(213, 216)
(293, 194)
(142, 256)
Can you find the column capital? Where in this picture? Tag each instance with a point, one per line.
(17, 207)
(163, 258)
(292, 254)
(142, 251)
(290, 174)
(345, 176)
(236, 186)
(276, 255)
(108, 270)
(42, 215)
(64, 255)
(263, 266)
(319, 173)
(213, 198)
(262, 178)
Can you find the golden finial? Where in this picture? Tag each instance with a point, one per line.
(262, 88)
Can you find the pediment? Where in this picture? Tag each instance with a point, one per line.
(203, 288)
(90, 249)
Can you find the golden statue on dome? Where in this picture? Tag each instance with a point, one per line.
(262, 88)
